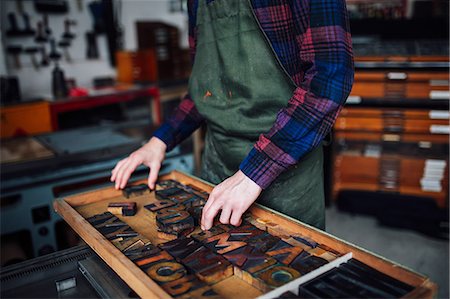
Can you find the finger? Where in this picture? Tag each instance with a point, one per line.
(116, 168)
(225, 215)
(208, 216)
(119, 173)
(132, 165)
(153, 175)
(207, 206)
(236, 218)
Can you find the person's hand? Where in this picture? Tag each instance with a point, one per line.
(233, 196)
(151, 154)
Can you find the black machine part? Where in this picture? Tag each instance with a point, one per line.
(82, 273)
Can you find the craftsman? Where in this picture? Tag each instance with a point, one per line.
(269, 79)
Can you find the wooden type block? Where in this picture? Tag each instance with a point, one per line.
(297, 243)
(166, 236)
(136, 190)
(189, 200)
(120, 233)
(169, 184)
(165, 194)
(207, 265)
(305, 240)
(245, 232)
(213, 231)
(329, 249)
(202, 293)
(123, 208)
(277, 275)
(305, 263)
(264, 242)
(159, 205)
(181, 248)
(284, 252)
(139, 253)
(249, 259)
(163, 272)
(322, 253)
(129, 243)
(196, 213)
(255, 222)
(186, 285)
(174, 219)
(150, 259)
(222, 244)
(198, 192)
(100, 218)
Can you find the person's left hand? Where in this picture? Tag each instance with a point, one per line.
(233, 196)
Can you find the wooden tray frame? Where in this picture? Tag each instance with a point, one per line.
(147, 288)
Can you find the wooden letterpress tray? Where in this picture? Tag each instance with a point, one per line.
(75, 209)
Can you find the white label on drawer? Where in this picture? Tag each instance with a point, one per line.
(439, 95)
(430, 185)
(437, 82)
(425, 144)
(397, 76)
(353, 100)
(433, 163)
(439, 114)
(439, 129)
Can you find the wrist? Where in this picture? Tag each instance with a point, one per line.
(156, 143)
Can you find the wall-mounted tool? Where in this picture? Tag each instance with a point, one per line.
(51, 6)
(59, 86)
(65, 44)
(47, 29)
(15, 52)
(13, 28)
(54, 54)
(41, 37)
(67, 34)
(32, 52)
(91, 43)
(45, 61)
(27, 30)
(80, 5)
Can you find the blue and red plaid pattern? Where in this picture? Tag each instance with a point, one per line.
(312, 41)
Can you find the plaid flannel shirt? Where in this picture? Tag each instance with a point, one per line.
(312, 41)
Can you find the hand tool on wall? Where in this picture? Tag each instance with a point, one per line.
(27, 30)
(15, 52)
(13, 28)
(80, 5)
(47, 29)
(92, 49)
(64, 44)
(32, 52)
(41, 37)
(54, 54)
(67, 34)
(45, 61)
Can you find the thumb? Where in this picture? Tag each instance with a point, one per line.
(153, 175)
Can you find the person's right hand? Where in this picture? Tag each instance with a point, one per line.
(151, 154)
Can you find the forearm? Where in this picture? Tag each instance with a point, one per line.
(182, 123)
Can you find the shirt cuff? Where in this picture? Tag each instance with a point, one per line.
(260, 168)
(166, 134)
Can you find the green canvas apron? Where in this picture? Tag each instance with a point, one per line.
(238, 85)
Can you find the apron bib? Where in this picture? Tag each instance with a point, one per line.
(239, 86)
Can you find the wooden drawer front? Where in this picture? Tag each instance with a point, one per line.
(394, 120)
(183, 275)
(25, 119)
(137, 66)
(391, 84)
(355, 169)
